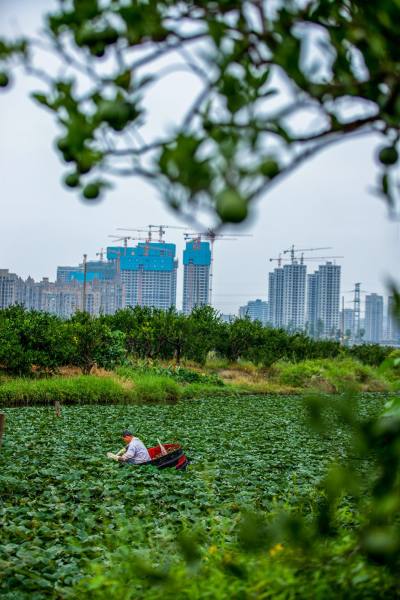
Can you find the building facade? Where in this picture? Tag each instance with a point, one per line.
(275, 298)
(11, 289)
(294, 294)
(196, 275)
(147, 272)
(373, 323)
(256, 310)
(347, 323)
(312, 298)
(323, 299)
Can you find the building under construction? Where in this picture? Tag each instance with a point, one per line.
(147, 272)
(196, 275)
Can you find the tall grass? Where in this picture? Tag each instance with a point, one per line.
(156, 388)
(84, 389)
(128, 385)
(88, 389)
(331, 375)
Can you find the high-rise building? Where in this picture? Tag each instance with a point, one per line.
(64, 299)
(275, 298)
(346, 321)
(373, 323)
(227, 318)
(95, 270)
(393, 323)
(323, 298)
(64, 273)
(294, 293)
(312, 297)
(196, 275)
(11, 289)
(148, 273)
(256, 310)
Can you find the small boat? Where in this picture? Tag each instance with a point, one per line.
(166, 456)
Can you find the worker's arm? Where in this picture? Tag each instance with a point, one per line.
(130, 452)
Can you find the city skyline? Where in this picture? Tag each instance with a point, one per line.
(62, 272)
(235, 302)
(146, 275)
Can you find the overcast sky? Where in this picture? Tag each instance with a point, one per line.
(327, 203)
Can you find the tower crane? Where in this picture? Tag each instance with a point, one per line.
(151, 230)
(211, 236)
(303, 258)
(101, 254)
(162, 228)
(294, 250)
(124, 238)
(279, 260)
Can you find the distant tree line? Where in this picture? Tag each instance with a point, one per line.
(38, 341)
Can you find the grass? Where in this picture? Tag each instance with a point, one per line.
(330, 375)
(83, 389)
(88, 389)
(160, 383)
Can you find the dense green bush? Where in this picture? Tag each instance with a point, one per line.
(333, 375)
(31, 339)
(370, 354)
(94, 343)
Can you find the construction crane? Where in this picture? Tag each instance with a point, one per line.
(303, 258)
(293, 250)
(151, 230)
(101, 254)
(124, 239)
(162, 228)
(211, 237)
(279, 259)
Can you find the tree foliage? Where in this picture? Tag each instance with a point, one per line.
(40, 341)
(260, 70)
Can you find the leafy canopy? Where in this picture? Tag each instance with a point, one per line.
(263, 69)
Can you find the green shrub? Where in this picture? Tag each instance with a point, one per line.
(298, 374)
(178, 373)
(155, 388)
(336, 374)
(370, 354)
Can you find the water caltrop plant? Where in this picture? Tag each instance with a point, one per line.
(254, 514)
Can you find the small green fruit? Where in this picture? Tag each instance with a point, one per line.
(72, 180)
(91, 191)
(62, 144)
(84, 165)
(269, 168)
(388, 156)
(4, 79)
(231, 206)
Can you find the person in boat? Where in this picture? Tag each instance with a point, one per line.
(136, 452)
